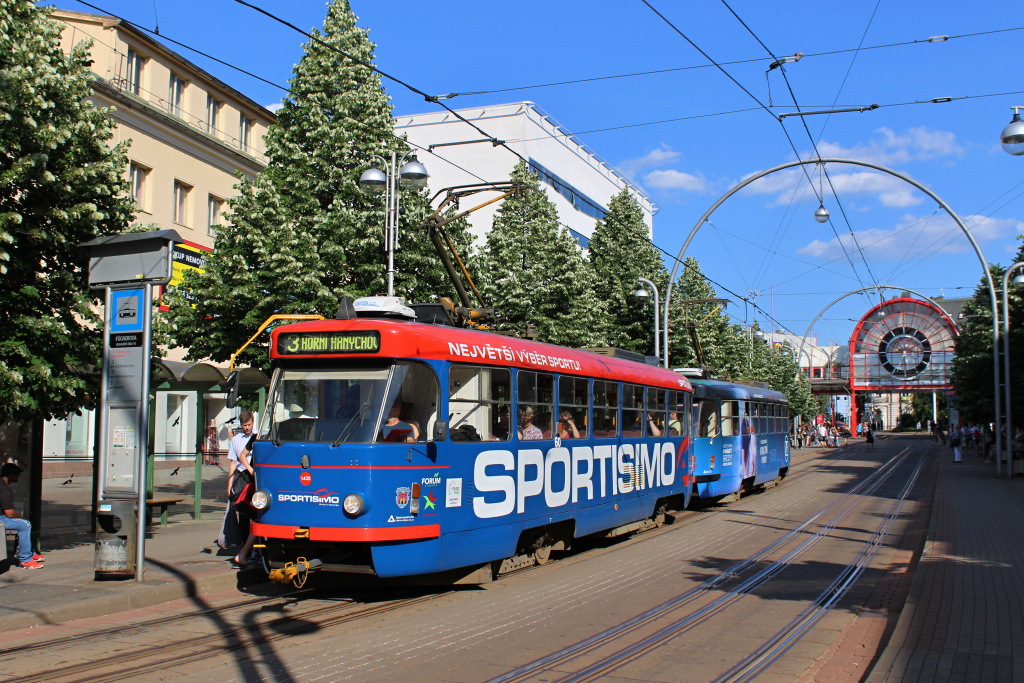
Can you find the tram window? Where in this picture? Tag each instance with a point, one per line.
(412, 399)
(772, 423)
(632, 410)
(762, 418)
(748, 418)
(573, 407)
(480, 397)
(347, 404)
(730, 418)
(606, 408)
(678, 415)
(536, 403)
(655, 424)
(707, 419)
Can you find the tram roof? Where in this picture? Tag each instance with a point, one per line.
(710, 388)
(406, 339)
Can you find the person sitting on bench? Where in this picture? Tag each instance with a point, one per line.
(12, 519)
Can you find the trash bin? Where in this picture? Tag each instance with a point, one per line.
(116, 540)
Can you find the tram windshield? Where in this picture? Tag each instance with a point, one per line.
(365, 404)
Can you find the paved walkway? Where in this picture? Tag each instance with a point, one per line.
(964, 618)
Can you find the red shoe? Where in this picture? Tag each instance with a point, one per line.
(31, 564)
(38, 558)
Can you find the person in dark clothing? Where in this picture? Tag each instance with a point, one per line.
(12, 519)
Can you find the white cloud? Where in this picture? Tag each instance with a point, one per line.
(274, 107)
(918, 236)
(675, 180)
(791, 185)
(653, 159)
(917, 144)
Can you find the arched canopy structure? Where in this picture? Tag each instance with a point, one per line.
(902, 345)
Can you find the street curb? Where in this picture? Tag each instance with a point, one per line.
(136, 596)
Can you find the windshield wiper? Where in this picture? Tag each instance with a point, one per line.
(351, 423)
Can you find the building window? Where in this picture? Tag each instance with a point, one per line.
(175, 95)
(182, 192)
(212, 114)
(816, 373)
(138, 175)
(244, 132)
(214, 208)
(580, 201)
(133, 73)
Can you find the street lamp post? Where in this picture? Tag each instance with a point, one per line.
(1018, 286)
(374, 181)
(642, 294)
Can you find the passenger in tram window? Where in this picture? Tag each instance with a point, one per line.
(675, 425)
(395, 429)
(527, 430)
(567, 426)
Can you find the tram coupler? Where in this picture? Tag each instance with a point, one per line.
(295, 572)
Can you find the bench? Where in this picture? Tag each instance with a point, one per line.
(163, 504)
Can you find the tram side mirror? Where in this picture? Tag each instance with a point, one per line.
(440, 430)
(231, 385)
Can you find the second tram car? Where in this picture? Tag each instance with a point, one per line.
(741, 439)
(394, 448)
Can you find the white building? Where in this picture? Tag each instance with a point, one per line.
(578, 181)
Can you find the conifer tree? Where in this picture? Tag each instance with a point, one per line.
(60, 185)
(692, 311)
(621, 252)
(303, 234)
(534, 273)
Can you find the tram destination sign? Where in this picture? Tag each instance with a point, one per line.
(312, 343)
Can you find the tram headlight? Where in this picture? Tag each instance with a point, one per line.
(353, 504)
(261, 500)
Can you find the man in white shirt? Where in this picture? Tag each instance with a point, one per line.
(236, 529)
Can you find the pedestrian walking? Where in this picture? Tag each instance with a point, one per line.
(869, 437)
(955, 442)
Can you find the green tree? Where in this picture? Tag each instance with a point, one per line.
(534, 272)
(694, 312)
(621, 252)
(60, 185)
(972, 366)
(302, 235)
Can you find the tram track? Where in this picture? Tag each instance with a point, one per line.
(732, 581)
(154, 658)
(776, 646)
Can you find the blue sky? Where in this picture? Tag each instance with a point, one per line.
(673, 134)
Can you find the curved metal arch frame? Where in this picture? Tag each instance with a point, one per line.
(907, 179)
(803, 340)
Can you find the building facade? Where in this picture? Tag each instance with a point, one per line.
(190, 136)
(576, 179)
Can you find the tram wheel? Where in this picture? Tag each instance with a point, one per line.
(542, 554)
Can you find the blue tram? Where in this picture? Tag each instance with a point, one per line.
(392, 448)
(741, 439)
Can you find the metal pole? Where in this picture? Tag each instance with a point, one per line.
(390, 211)
(657, 347)
(142, 435)
(1006, 367)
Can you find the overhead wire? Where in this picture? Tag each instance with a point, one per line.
(859, 48)
(817, 154)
